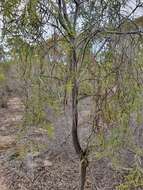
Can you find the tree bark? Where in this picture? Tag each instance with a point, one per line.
(80, 152)
(84, 165)
(75, 138)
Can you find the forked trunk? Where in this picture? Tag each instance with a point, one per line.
(84, 165)
(75, 137)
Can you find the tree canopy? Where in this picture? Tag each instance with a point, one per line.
(90, 49)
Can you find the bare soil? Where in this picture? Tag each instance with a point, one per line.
(56, 167)
(9, 119)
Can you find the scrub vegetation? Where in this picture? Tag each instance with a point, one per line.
(81, 62)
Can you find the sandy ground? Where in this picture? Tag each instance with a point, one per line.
(2, 184)
(54, 168)
(57, 164)
(9, 118)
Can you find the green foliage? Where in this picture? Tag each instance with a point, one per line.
(109, 77)
(29, 146)
(9, 7)
(132, 181)
(69, 86)
(21, 16)
(50, 129)
(4, 69)
(86, 88)
(2, 77)
(119, 89)
(38, 94)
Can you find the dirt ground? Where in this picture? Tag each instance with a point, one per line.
(9, 118)
(56, 167)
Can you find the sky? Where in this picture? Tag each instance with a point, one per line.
(131, 6)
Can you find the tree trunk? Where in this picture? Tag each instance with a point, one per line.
(75, 138)
(84, 165)
(76, 143)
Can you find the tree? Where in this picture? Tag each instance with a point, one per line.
(89, 29)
